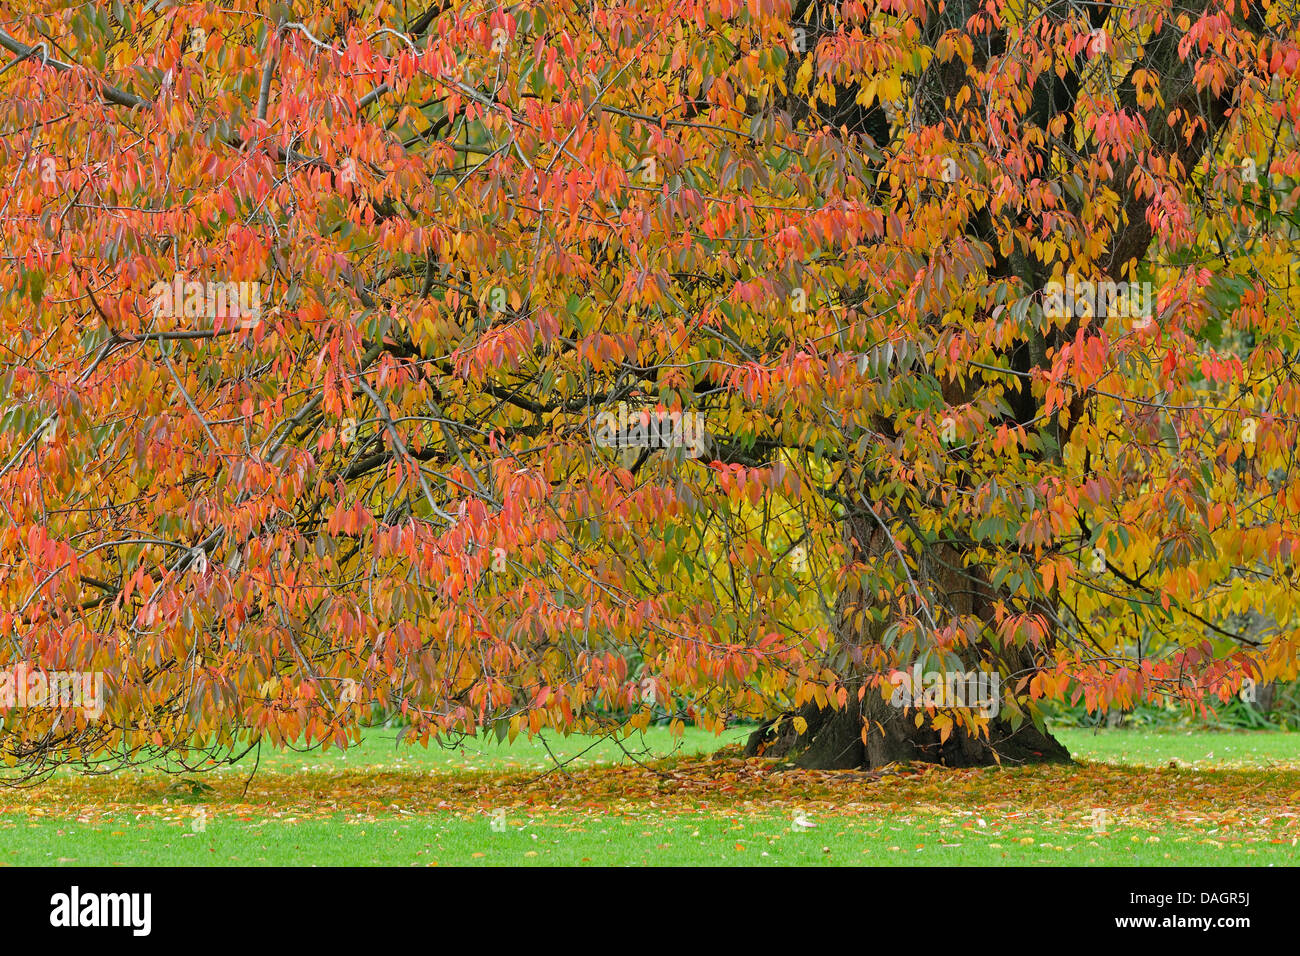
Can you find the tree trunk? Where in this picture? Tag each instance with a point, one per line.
(872, 732)
(833, 740)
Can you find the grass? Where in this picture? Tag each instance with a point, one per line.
(1154, 748)
(1229, 799)
(381, 749)
(688, 840)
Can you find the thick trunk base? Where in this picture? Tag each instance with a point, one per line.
(872, 732)
(833, 741)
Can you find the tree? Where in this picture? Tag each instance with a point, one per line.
(875, 369)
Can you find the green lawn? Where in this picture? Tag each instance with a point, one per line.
(380, 749)
(1154, 748)
(1228, 799)
(699, 839)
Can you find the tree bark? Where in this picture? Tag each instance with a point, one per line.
(833, 740)
(870, 732)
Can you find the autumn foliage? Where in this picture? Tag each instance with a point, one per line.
(361, 476)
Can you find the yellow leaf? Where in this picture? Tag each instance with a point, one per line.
(943, 723)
